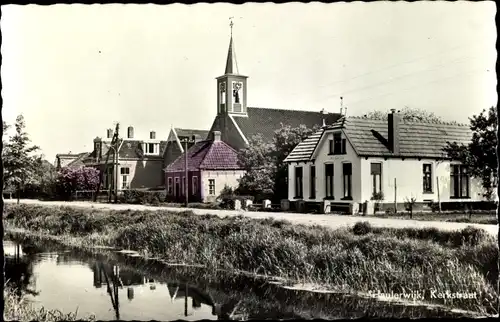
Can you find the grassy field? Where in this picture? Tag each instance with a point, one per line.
(361, 259)
(17, 309)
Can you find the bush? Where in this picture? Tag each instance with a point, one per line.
(362, 228)
(143, 197)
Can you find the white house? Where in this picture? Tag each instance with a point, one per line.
(358, 159)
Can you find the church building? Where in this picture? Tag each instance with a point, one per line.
(236, 123)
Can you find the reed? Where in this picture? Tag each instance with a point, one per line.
(360, 259)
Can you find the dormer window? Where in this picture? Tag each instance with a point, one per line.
(151, 148)
(337, 145)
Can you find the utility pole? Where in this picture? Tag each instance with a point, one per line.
(186, 171)
(117, 137)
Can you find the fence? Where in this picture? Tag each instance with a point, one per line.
(88, 195)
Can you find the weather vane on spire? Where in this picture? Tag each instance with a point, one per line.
(231, 25)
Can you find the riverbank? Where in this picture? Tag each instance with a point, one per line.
(329, 221)
(364, 259)
(17, 309)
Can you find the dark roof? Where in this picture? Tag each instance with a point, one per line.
(266, 121)
(417, 139)
(202, 134)
(207, 155)
(129, 149)
(79, 161)
(305, 149)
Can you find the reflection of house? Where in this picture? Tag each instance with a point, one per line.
(126, 278)
(213, 164)
(70, 160)
(140, 161)
(356, 159)
(183, 292)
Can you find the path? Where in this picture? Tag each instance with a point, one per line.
(331, 221)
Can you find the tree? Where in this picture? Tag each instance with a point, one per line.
(260, 170)
(408, 114)
(480, 154)
(266, 173)
(70, 180)
(19, 164)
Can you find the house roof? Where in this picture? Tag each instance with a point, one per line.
(78, 162)
(266, 121)
(129, 149)
(367, 136)
(207, 155)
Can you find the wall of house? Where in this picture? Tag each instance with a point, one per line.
(64, 161)
(409, 180)
(179, 195)
(142, 173)
(323, 157)
(222, 178)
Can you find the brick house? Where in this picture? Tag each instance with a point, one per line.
(212, 165)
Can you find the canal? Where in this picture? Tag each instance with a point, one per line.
(115, 285)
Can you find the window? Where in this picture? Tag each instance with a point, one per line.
(195, 185)
(347, 172)
(459, 181)
(169, 186)
(124, 171)
(151, 148)
(183, 186)
(329, 180)
(312, 183)
(330, 147)
(124, 182)
(298, 182)
(339, 144)
(177, 188)
(211, 187)
(376, 173)
(427, 172)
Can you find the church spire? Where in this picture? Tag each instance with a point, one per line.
(231, 64)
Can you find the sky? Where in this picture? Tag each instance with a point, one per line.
(75, 70)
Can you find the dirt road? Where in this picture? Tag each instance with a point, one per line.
(332, 221)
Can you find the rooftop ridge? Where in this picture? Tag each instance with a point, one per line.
(289, 110)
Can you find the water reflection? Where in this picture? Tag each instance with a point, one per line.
(115, 287)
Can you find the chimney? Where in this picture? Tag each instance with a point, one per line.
(98, 147)
(130, 132)
(152, 135)
(216, 135)
(110, 133)
(393, 131)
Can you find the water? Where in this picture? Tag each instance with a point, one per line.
(113, 285)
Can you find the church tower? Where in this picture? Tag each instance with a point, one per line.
(232, 86)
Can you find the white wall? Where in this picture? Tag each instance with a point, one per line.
(321, 158)
(222, 178)
(409, 180)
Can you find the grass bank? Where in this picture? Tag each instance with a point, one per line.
(18, 309)
(362, 259)
(486, 218)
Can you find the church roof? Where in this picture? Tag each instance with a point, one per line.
(207, 155)
(266, 121)
(231, 63)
